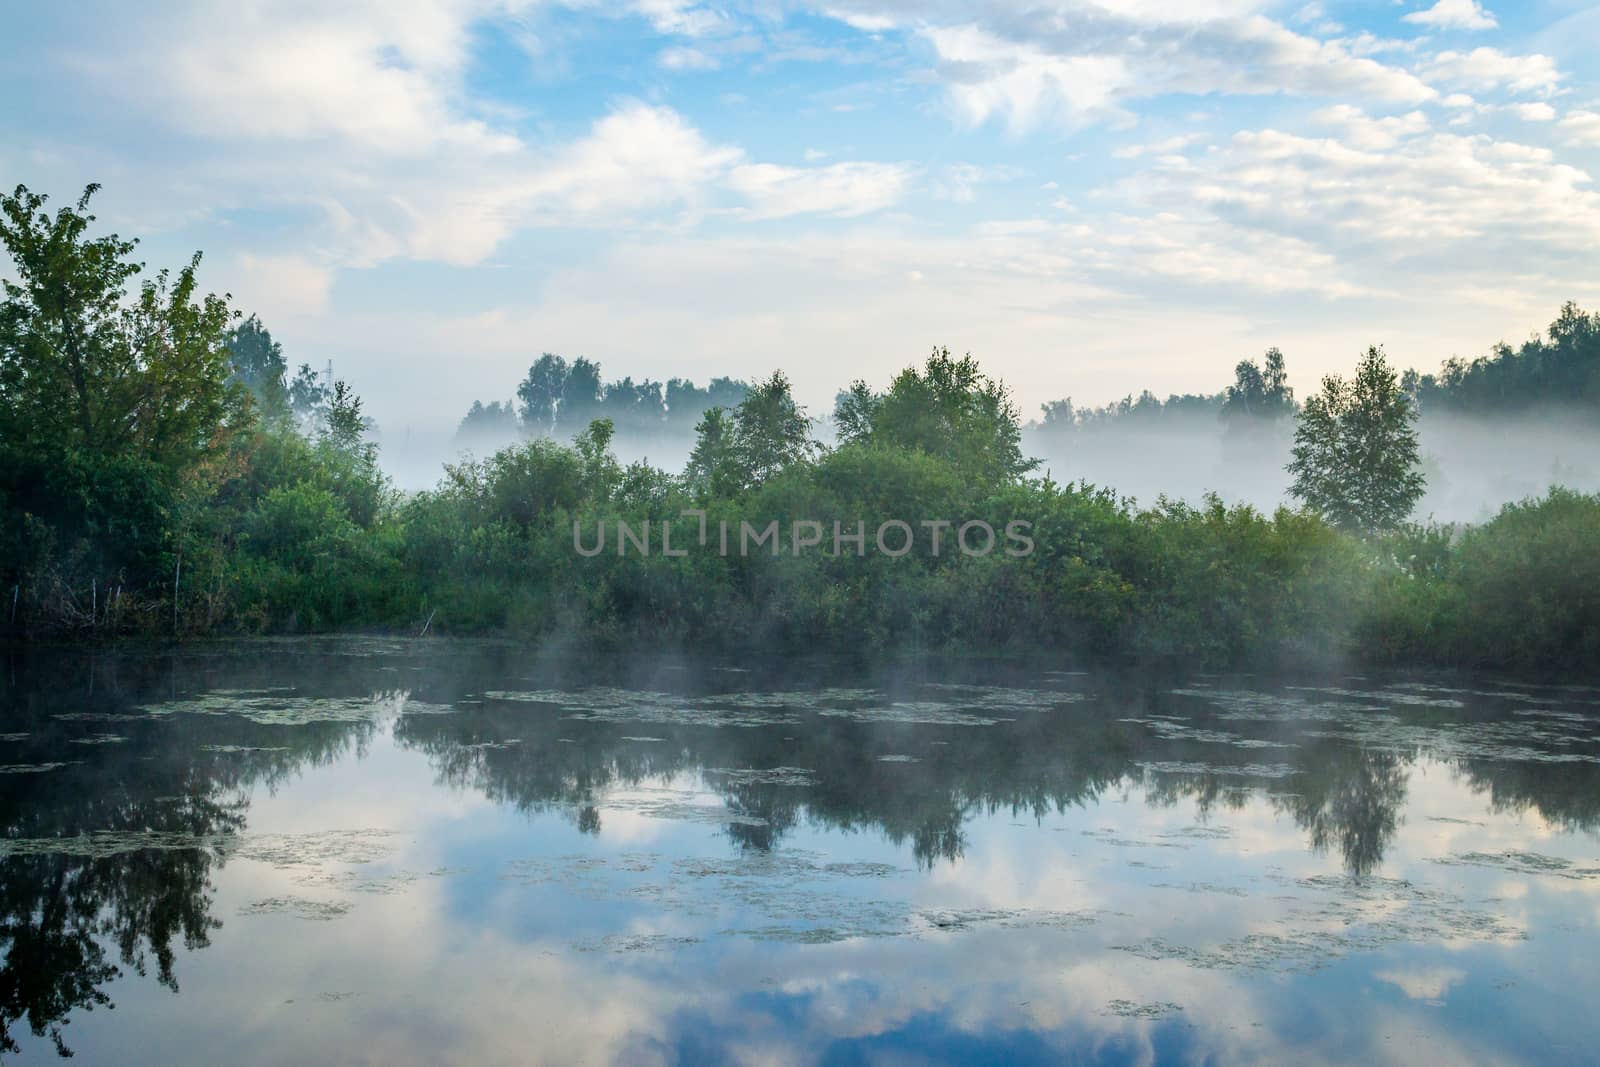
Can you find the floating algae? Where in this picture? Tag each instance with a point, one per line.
(603, 704)
(283, 709)
(795, 776)
(34, 768)
(1130, 1010)
(634, 943)
(298, 907)
(278, 850)
(1523, 863)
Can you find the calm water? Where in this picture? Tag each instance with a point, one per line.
(364, 851)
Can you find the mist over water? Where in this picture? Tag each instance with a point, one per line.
(1474, 464)
(377, 850)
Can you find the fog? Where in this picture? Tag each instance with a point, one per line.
(414, 455)
(1474, 465)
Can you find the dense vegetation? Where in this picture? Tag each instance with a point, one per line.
(161, 472)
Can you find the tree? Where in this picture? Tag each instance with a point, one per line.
(495, 421)
(638, 406)
(113, 410)
(540, 393)
(714, 468)
(1355, 449)
(258, 365)
(770, 431)
(853, 412)
(581, 394)
(83, 369)
(308, 396)
(950, 409)
(1560, 369)
(1258, 394)
(344, 425)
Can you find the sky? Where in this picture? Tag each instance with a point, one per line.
(1092, 198)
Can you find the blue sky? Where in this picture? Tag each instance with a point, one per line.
(1092, 197)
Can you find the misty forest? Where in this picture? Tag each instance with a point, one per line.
(165, 470)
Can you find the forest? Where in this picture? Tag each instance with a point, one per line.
(164, 473)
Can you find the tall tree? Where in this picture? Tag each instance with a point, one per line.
(949, 409)
(1355, 449)
(308, 396)
(770, 430)
(581, 395)
(540, 393)
(714, 467)
(85, 370)
(115, 408)
(493, 422)
(258, 365)
(1259, 393)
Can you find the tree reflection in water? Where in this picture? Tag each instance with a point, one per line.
(77, 911)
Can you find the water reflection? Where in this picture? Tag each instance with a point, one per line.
(131, 783)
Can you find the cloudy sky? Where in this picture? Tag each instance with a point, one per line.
(1092, 197)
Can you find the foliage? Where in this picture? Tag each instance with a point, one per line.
(257, 364)
(557, 398)
(1560, 369)
(1259, 393)
(949, 409)
(143, 490)
(1355, 449)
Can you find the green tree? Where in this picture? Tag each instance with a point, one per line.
(1259, 393)
(494, 421)
(714, 468)
(116, 409)
(258, 365)
(308, 396)
(949, 409)
(540, 393)
(344, 426)
(853, 412)
(770, 431)
(581, 394)
(83, 368)
(1355, 449)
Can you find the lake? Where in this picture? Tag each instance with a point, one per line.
(373, 851)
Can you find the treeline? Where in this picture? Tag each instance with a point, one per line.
(557, 397)
(1560, 369)
(159, 475)
(1259, 396)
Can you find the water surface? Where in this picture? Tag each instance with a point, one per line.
(366, 851)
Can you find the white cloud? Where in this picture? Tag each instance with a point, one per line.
(378, 76)
(1490, 68)
(1535, 112)
(635, 158)
(986, 76)
(1166, 147)
(1362, 131)
(1418, 199)
(682, 58)
(845, 190)
(959, 182)
(864, 23)
(1429, 985)
(1081, 64)
(683, 17)
(1581, 127)
(1454, 15)
(282, 285)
